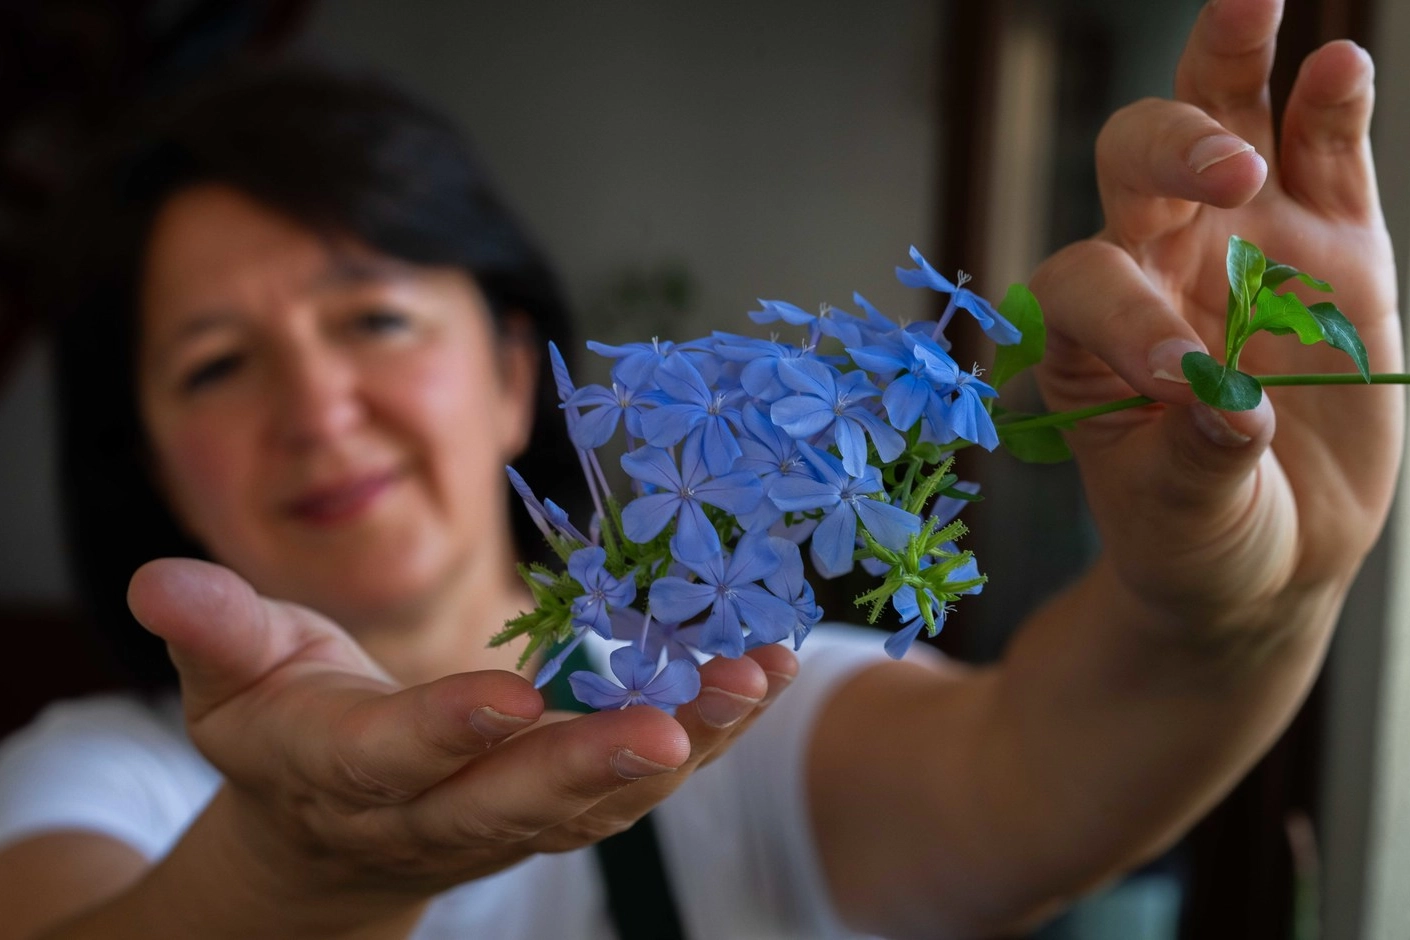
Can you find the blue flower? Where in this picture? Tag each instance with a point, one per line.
(790, 583)
(829, 321)
(991, 322)
(898, 643)
(544, 513)
(610, 406)
(876, 321)
(653, 637)
(762, 358)
(964, 415)
(843, 499)
(641, 683)
(550, 668)
(561, 379)
(693, 406)
(680, 491)
(602, 593)
(909, 395)
(636, 362)
(770, 454)
(835, 403)
(727, 588)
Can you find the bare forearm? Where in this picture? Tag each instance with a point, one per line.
(1109, 728)
(213, 886)
(995, 794)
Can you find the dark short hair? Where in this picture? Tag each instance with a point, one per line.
(345, 155)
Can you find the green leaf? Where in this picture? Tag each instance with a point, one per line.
(1036, 445)
(1340, 334)
(1275, 275)
(965, 495)
(1020, 308)
(1245, 264)
(1284, 313)
(1219, 386)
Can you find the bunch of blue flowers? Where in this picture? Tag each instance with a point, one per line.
(742, 450)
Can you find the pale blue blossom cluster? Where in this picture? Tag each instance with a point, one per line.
(739, 451)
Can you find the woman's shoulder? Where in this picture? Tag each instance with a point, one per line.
(117, 764)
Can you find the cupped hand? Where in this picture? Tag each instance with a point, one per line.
(343, 781)
(1214, 515)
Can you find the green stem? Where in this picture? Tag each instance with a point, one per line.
(1061, 418)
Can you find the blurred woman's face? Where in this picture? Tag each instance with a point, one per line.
(332, 424)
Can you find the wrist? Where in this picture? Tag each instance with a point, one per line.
(1225, 631)
(231, 875)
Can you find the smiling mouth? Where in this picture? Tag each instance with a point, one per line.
(341, 502)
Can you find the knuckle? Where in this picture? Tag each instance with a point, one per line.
(590, 828)
(477, 822)
(361, 781)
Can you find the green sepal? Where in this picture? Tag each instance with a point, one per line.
(1275, 275)
(1341, 334)
(1035, 445)
(1219, 386)
(1281, 314)
(1020, 308)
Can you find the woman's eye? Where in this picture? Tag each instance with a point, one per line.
(382, 321)
(211, 372)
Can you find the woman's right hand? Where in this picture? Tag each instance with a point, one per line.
(346, 788)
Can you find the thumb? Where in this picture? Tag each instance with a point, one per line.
(222, 636)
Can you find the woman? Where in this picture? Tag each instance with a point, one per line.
(325, 410)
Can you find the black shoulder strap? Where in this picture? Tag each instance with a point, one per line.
(639, 895)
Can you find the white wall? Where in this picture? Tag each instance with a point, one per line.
(781, 149)
(1366, 775)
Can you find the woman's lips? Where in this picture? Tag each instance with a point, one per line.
(341, 502)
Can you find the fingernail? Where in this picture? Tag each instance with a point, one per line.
(720, 709)
(1214, 426)
(1216, 148)
(777, 683)
(1164, 360)
(631, 766)
(493, 724)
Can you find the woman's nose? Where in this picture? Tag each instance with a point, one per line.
(317, 399)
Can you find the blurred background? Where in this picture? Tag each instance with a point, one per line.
(679, 161)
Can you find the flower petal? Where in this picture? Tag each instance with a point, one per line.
(675, 685)
(675, 599)
(596, 692)
(802, 416)
(654, 466)
(644, 517)
(890, 525)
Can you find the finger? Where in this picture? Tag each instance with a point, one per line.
(1157, 160)
(780, 668)
(734, 694)
(1225, 66)
(389, 748)
(222, 636)
(546, 777)
(1106, 344)
(1326, 149)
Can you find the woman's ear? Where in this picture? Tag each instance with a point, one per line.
(519, 361)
